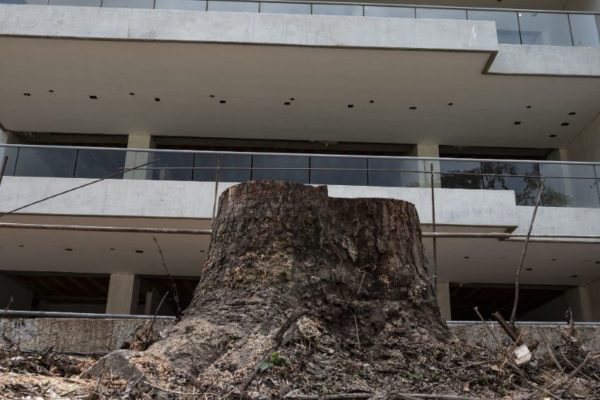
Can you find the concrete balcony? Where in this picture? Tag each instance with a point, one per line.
(177, 195)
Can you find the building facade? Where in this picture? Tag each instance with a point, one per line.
(122, 121)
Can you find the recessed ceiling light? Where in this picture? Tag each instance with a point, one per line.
(565, 124)
(93, 97)
(350, 105)
(517, 122)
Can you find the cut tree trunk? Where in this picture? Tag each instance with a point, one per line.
(303, 292)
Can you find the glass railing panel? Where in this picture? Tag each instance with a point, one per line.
(237, 6)
(522, 178)
(46, 162)
(338, 171)
(128, 3)
(507, 24)
(284, 8)
(393, 172)
(586, 29)
(461, 174)
(274, 168)
(569, 185)
(171, 166)
(99, 163)
(11, 154)
(441, 13)
(192, 5)
(337, 9)
(81, 3)
(389, 12)
(232, 167)
(545, 28)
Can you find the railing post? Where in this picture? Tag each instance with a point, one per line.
(434, 228)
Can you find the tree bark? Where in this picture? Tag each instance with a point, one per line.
(304, 290)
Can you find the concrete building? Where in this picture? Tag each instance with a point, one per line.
(464, 107)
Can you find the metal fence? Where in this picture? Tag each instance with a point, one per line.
(534, 27)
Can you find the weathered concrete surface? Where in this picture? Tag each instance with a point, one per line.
(70, 334)
(104, 335)
(181, 199)
(546, 60)
(249, 28)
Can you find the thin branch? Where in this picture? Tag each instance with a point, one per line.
(513, 314)
(173, 285)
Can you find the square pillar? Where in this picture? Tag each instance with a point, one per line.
(428, 150)
(135, 158)
(585, 302)
(123, 292)
(443, 299)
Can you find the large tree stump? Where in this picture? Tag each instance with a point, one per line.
(305, 292)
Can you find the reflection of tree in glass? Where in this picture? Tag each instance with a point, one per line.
(497, 175)
(465, 179)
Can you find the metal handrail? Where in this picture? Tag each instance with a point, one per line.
(429, 6)
(252, 153)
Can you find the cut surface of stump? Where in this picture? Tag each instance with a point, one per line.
(303, 293)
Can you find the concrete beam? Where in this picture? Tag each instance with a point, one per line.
(123, 291)
(546, 60)
(248, 28)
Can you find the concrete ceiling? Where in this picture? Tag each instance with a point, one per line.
(489, 260)
(256, 81)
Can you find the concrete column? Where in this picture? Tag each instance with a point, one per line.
(123, 292)
(585, 302)
(134, 158)
(152, 300)
(559, 155)
(443, 298)
(428, 150)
